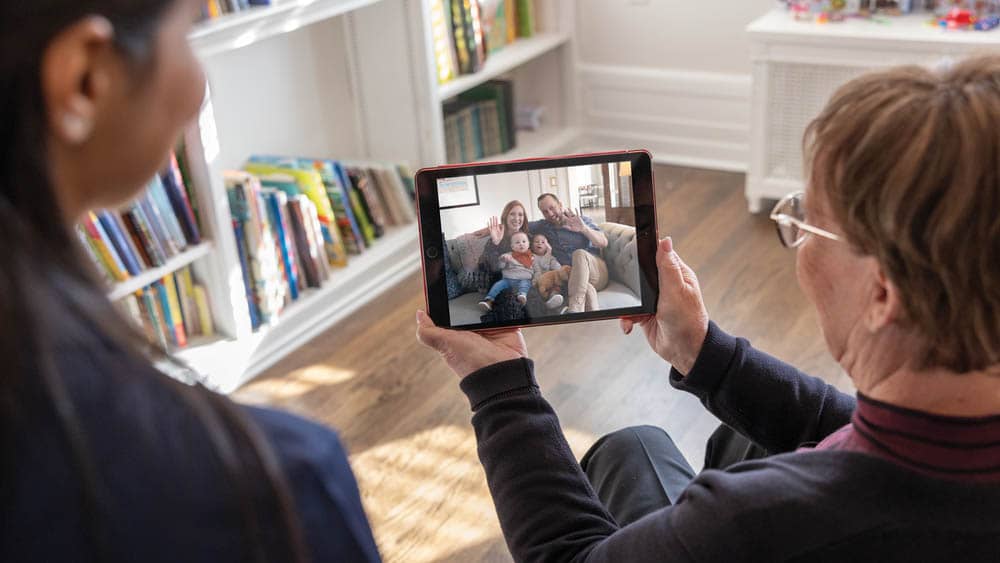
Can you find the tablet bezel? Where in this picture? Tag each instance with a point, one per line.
(433, 252)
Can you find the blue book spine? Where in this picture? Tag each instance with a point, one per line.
(159, 196)
(168, 320)
(274, 213)
(180, 206)
(156, 226)
(241, 246)
(157, 253)
(119, 262)
(342, 184)
(118, 242)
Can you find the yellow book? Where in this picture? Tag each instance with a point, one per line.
(101, 248)
(175, 311)
(213, 9)
(311, 184)
(511, 21)
(204, 313)
(444, 48)
(185, 295)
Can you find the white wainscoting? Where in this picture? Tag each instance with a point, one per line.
(683, 117)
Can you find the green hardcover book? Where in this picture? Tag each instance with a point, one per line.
(502, 92)
(452, 143)
(489, 122)
(367, 229)
(525, 18)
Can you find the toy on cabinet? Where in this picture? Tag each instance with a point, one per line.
(978, 15)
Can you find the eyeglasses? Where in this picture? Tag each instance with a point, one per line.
(789, 215)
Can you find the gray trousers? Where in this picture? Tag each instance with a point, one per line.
(638, 470)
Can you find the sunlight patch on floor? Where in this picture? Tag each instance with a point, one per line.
(426, 495)
(294, 384)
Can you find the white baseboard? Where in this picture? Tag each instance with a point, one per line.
(683, 117)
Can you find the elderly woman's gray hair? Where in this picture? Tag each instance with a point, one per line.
(909, 163)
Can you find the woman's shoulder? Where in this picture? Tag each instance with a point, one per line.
(316, 467)
(297, 439)
(136, 426)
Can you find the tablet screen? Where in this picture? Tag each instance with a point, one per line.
(540, 244)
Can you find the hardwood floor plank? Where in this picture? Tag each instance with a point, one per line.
(401, 415)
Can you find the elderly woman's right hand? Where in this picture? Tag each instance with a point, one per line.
(496, 230)
(466, 352)
(677, 331)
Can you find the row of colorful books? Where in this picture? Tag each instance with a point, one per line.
(296, 219)
(146, 232)
(171, 310)
(465, 32)
(216, 8)
(480, 122)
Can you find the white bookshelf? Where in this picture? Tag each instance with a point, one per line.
(510, 57)
(240, 29)
(147, 277)
(228, 362)
(349, 80)
(545, 141)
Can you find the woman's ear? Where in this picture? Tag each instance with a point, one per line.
(885, 306)
(76, 77)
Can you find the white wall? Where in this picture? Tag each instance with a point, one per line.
(495, 190)
(672, 76)
(672, 34)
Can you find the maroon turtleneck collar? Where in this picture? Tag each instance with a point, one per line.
(947, 447)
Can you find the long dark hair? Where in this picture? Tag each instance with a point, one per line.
(45, 279)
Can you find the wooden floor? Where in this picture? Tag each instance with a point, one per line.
(406, 424)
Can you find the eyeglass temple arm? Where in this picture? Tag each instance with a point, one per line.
(782, 217)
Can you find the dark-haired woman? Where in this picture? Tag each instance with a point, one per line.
(104, 458)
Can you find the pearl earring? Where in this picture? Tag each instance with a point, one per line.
(76, 127)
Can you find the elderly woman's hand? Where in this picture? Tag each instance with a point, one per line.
(677, 331)
(466, 352)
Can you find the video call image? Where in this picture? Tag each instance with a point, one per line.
(537, 244)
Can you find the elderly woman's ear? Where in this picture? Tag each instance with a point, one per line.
(885, 306)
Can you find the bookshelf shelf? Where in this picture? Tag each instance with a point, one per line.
(507, 59)
(232, 362)
(245, 28)
(147, 277)
(548, 141)
(351, 80)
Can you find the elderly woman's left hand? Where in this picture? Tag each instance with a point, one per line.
(466, 352)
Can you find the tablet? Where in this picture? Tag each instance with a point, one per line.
(538, 241)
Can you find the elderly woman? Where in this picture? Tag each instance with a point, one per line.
(898, 239)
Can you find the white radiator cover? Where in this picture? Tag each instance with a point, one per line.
(797, 66)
